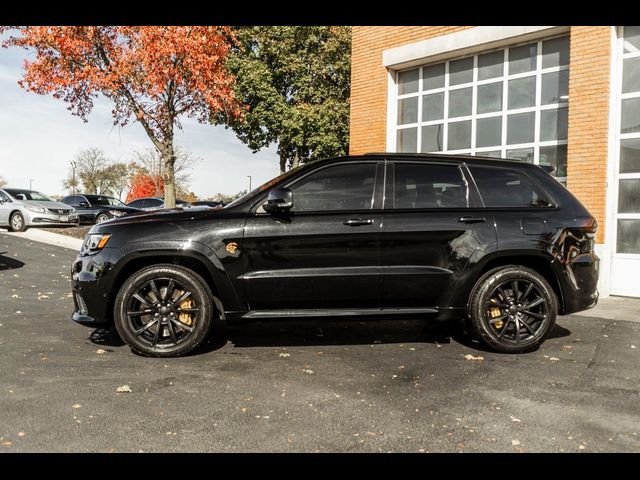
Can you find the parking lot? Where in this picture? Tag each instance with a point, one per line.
(312, 386)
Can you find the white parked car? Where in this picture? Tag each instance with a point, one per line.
(21, 209)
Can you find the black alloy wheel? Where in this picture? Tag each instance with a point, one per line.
(513, 309)
(164, 311)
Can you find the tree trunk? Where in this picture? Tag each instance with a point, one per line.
(296, 160)
(169, 159)
(283, 163)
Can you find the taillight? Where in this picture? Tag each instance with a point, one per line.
(588, 226)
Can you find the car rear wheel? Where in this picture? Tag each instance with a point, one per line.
(512, 309)
(164, 311)
(102, 217)
(17, 223)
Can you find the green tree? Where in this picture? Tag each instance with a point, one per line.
(3, 182)
(296, 83)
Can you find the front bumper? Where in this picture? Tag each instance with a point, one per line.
(92, 277)
(39, 219)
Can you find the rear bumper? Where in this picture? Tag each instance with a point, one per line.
(579, 281)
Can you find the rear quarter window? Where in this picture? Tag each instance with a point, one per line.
(502, 187)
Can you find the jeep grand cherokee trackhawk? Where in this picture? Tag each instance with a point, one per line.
(499, 242)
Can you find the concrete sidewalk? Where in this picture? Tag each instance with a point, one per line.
(614, 308)
(44, 236)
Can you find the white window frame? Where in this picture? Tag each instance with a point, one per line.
(394, 97)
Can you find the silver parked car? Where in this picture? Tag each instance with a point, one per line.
(21, 209)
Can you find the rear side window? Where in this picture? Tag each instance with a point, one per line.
(429, 186)
(501, 187)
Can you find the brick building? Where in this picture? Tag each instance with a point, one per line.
(551, 95)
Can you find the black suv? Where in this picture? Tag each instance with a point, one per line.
(501, 243)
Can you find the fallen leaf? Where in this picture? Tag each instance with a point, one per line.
(124, 389)
(15, 296)
(514, 419)
(21, 434)
(474, 359)
(6, 443)
(284, 355)
(515, 442)
(76, 406)
(100, 351)
(554, 359)
(582, 447)
(307, 370)
(633, 346)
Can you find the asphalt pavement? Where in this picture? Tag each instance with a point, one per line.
(307, 386)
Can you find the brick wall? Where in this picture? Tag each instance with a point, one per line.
(588, 102)
(589, 118)
(369, 81)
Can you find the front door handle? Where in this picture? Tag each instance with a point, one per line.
(354, 222)
(468, 219)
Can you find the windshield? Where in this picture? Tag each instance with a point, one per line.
(263, 187)
(105, 201)
(27, 195)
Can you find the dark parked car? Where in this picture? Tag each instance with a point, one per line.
(500, 242)
(155, 203)
(97, 208)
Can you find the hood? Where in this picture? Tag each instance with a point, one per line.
(119, 208)
(163, 215)
(46, 204)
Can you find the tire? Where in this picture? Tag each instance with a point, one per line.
(17, 223)
(141, 331)
(102, 217)
(505, 322)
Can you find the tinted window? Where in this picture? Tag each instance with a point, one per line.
(136, 203)
(4, 197)
(340, 187)
(429, 186)
(72, 200)
(153, 202)
(507, 188)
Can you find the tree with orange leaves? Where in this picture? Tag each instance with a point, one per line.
(144, 185)
(155, 74)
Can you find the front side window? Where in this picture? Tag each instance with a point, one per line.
(501, 187)
(509, 103)
(428, 186)
(3, 197)
(339, 187)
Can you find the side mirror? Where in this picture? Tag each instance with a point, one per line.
(279, 200)
(83, 204)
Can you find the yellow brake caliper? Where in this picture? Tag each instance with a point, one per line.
(496, 312)
(186, 317)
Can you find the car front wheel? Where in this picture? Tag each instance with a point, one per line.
(164, 311)
(17, 223)
(102, 217)
(512, 309)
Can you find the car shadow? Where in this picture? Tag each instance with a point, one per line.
(106, 337)
(8, 263)
(311, 333)
(286, 333)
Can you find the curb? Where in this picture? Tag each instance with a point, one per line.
(39, 235)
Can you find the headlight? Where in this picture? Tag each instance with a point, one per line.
(73, 210)
(116, 213)
(33, 208)
(95, 242)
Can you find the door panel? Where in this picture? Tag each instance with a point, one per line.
(428, 234)
(311, 261)
(5, 209)
(325, 252)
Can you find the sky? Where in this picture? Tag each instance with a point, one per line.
(39, 137)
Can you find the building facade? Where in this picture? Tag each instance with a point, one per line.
(550, 95)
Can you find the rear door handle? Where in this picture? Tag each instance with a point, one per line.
(354, 222)
(467, 219)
